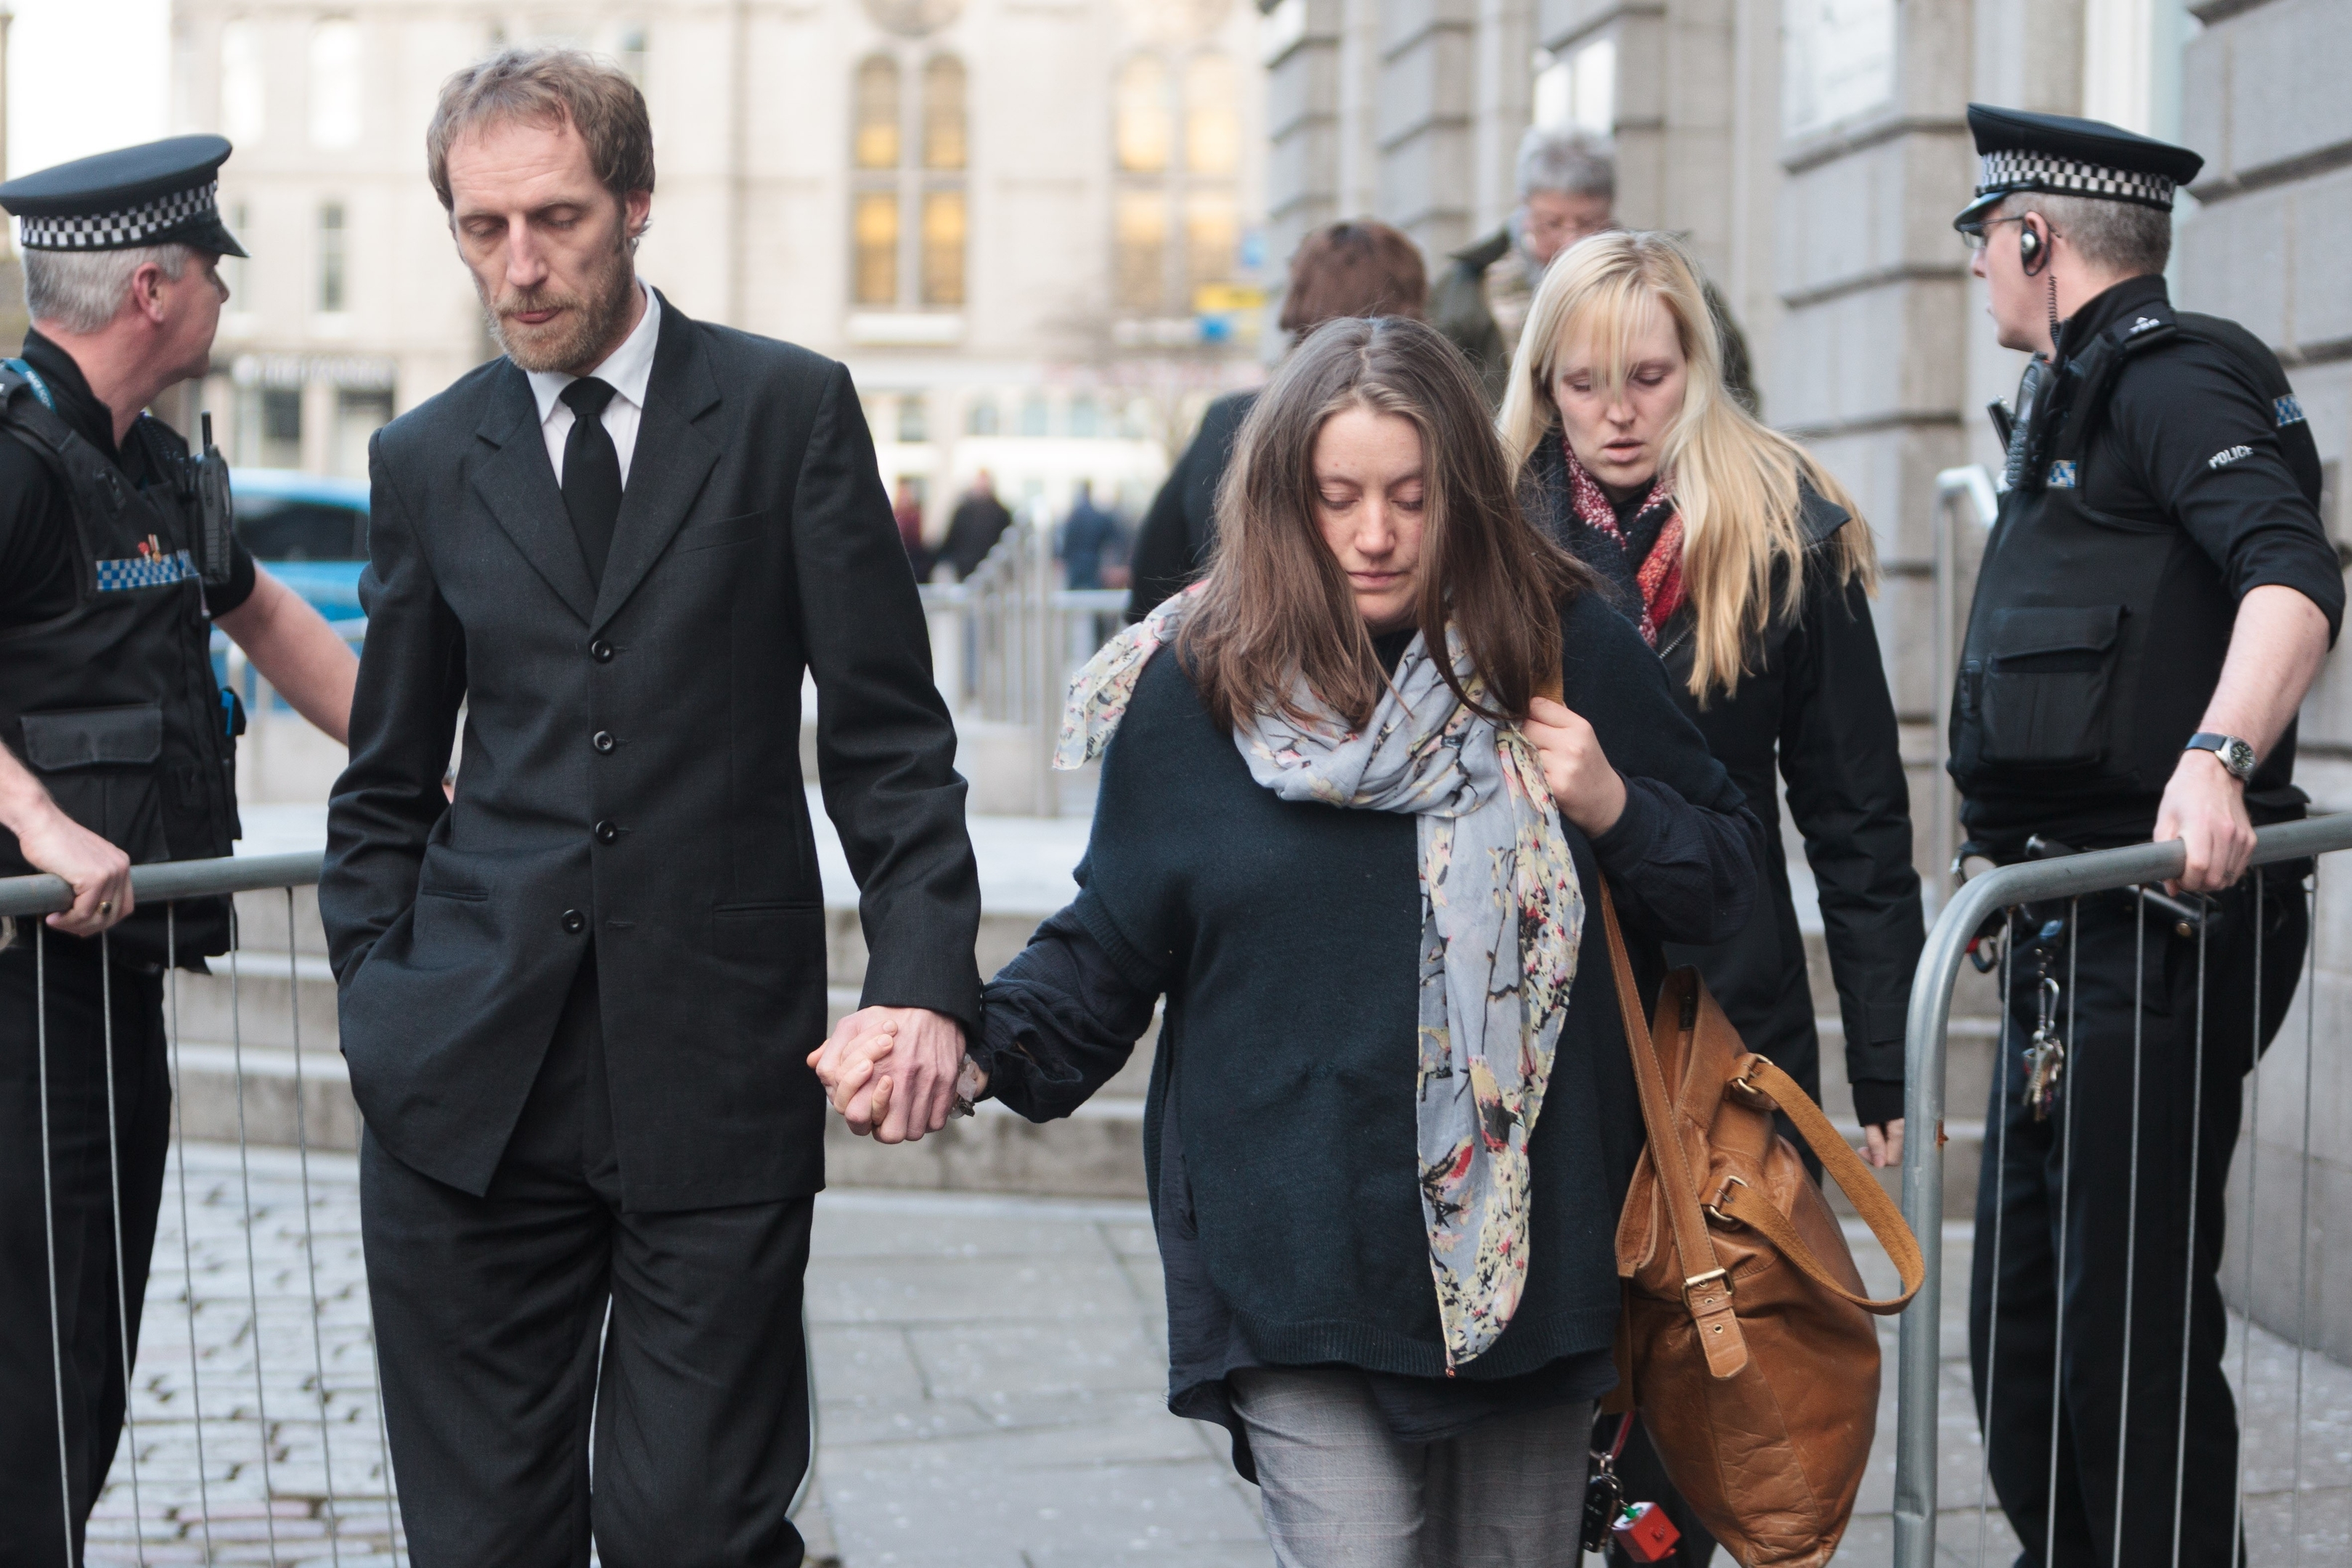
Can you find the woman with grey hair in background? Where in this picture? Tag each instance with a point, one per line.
(1567, 192)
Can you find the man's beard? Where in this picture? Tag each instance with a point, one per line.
(581, 333)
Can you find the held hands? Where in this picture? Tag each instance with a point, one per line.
(1883, 1143)
(2205, 807)
(97, 872)
(892, 1071)
(1588, 789)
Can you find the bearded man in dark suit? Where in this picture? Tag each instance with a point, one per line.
(577, 993)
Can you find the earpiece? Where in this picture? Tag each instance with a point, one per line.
(2031, 250)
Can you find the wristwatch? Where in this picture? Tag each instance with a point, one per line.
(2234, 754)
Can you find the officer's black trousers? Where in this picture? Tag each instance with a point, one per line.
(2062, 1335)
(501, 1373)
(38, 1515)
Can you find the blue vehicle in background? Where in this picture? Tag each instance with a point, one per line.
(309, 530)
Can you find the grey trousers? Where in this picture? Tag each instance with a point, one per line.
(1342, 1492)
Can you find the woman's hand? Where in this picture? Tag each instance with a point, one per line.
(1883, 1143)
(846, 1065)
(1588, 789)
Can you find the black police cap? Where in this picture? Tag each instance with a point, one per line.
(2065, 156)
(159, 192)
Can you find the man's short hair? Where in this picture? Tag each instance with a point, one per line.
(1568, 163)
(80, 290)
(2122, 237)
(1359, 268)
(549, 86)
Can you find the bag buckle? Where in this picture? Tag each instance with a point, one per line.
(1743, 1088)
(1713, 1205)
(1696, 1280)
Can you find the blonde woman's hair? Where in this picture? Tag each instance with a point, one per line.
(1737, 483)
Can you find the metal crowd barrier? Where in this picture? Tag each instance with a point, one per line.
(1997, 895)
(254, 1417)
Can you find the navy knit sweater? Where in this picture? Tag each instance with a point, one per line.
(1285, 937)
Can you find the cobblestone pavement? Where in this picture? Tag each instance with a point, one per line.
(990, 1372)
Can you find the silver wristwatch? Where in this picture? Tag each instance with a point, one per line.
(2235, 754)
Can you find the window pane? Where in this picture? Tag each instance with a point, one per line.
(979, 419)
(1213, 123)
(943, 114)
(1033, 414)
(914, 420)
(1086, 415)
(332, 292)
(873, 223)
(1140, 106)
(943, 233)
(1140, 260)
(335, 84)
(243, 88)
(1213, 235)
(875, 139)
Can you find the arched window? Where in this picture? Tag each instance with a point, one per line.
(909, 149)
(1144, 133)
(1176, 216)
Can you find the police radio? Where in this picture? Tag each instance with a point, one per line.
(215, 512)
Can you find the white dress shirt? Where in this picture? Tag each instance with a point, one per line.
(625, 370)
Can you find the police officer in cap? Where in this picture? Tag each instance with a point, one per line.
(2154, 602)
(116, 561)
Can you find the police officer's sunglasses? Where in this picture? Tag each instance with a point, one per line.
(1974, 233)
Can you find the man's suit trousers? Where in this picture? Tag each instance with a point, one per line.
(2064, 1268)
(36, 1514)
(502, 1368)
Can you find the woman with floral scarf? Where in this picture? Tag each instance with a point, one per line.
(1345, 832)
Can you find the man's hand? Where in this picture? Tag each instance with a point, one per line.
(1588, 790)
(1883, 1143)
(2205, 807)
(916, 1053)
(98, 873)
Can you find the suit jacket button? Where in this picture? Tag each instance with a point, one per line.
(608, 832)
(574, 922)
(601, 651)
(602, 740)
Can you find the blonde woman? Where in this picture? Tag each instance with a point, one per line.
(1746, 566)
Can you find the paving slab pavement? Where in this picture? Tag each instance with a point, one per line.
(989, 1371)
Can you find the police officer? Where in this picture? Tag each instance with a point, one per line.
(2154, 602)
(119, 750)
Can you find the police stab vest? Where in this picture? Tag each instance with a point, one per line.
(2068, 690)
(113, 705)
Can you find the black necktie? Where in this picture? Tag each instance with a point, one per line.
(592, 473)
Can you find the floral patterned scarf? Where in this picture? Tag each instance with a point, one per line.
(1659, 575)
(1502, 919)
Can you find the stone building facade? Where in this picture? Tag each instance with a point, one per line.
(1028, 226)
(1814, 151)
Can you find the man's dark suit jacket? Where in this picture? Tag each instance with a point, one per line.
(630, 772)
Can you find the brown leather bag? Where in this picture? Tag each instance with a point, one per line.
(1746, 1339)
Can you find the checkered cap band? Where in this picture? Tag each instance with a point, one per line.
(2014, 171)
(122, 230)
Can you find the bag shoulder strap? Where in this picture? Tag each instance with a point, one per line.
(1707, 1285)
(1753, 1209)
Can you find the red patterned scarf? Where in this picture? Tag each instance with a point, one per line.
(1660, 575)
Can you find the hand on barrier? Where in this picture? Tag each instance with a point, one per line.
(1587, 788)
(2205, 807)
(97, 872)
(892, 1071)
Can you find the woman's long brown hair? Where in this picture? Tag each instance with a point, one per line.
(1276, 609)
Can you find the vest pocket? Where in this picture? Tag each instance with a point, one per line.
(2041, 697)
(100, 765)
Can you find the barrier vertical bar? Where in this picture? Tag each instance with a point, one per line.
(49, 1226)
(121, 1287)
(187, 1246)
(2189, 1273)
(310, 1240)
(2302, 1228)
(2065, 1228)
(2131, 1217)
(2000, 1212)
(2253, 1169)
(252, 1271)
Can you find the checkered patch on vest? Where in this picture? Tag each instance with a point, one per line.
(2290, 411)
(2014, 169)
(2062, 475)
(122, 228)
(145, 572)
